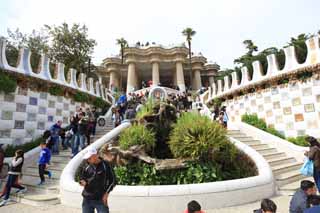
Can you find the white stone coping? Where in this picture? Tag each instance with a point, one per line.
(289, 148)
(135, 197)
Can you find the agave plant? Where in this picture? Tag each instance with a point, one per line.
(197, 137)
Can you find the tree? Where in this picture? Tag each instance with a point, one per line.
(188, 33)
(123, 44)
(71, 45)
(36, 42)
(300, 46)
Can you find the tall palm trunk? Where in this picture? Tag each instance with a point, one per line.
(190, 66)
(122, 53)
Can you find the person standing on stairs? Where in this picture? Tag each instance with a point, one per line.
(44, 161)
(98, 180)
(55, 136)
(13, 174)
(314, 155)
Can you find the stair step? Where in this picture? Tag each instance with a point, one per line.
(251, 142)
(59, 158)
(259, 146)
(244, 138)
(288, 177)
(291, 188)
(273, 155)
(283, 168)
(55, 175)
(33, 181)
(282, 160)
(236, 135)
(35, 167)
(268, 150)
(35, 170)
(40, 199)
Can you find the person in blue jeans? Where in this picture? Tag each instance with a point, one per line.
(44, 161)
(314, 155)
(13, 175)
(98, 180)
(55, 136)
(80, 136)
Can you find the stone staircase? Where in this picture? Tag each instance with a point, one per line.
(48, 194)
(285, 169)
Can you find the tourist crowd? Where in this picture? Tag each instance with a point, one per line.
(97, 176)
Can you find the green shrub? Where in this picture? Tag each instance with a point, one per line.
(300, 141)
(196, 172)
(100, 103)
(11, 149)
(255, 121)
(196, 137)
(56, 91)
(81, 97)
(273, 131)
(7, 84)
(137, 135)
(147, 109)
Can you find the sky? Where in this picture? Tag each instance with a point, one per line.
(221, 25)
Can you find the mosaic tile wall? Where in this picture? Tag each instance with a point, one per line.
(292, 109)
(25, 114)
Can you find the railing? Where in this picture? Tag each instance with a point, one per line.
(291, 66)
(82, 84)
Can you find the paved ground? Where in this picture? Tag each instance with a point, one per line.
(282, 203)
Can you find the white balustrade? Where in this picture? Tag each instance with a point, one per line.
(273, 67)
(24, 65)
(91, 87)
(257, 71)
(235, 80)
(60, 71)
(83, 83)
(98, 94)
(219, 87)
(226, 83)
(291, 59)
(73, 80)
(44, 70)
(245, 76)
(313, 51)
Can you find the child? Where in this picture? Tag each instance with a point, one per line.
(44, 160)
(193, 207)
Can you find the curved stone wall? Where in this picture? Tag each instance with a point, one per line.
(173, 198)
(86, 85)
(291, 108)
(26, 113)
(224, 88)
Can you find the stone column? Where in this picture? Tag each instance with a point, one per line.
(113, 80)
(155, 74)
(131, 81)
(196, 84)
(180, 76)
(174, 80)
(211, 80)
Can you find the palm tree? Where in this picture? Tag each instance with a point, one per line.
(188, 33)
(123, 44)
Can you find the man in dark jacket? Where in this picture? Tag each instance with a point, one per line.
(298, 202)
(98, 180)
